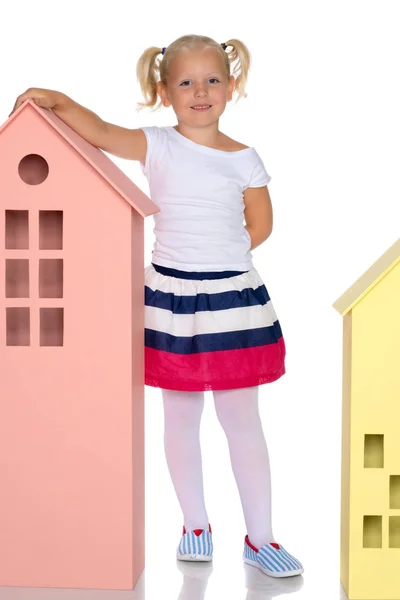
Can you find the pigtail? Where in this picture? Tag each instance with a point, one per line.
(239, 58)
(147, 73)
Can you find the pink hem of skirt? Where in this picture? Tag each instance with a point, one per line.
(229, 384)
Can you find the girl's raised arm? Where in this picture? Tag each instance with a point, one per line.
(119, 141)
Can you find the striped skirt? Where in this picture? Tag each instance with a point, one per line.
(210, 330)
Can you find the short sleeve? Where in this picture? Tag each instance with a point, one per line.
(153, 137)
(259, 176)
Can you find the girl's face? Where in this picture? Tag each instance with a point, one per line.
(197, 77)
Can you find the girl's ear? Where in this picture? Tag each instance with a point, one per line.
(231, 87)
(162, 92)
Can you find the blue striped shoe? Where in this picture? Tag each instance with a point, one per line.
(272, 559)
(195, 545)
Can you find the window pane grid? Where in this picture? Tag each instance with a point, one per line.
(17, 278)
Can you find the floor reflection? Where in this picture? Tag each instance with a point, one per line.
(259, 586)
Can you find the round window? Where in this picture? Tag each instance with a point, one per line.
(33, 169)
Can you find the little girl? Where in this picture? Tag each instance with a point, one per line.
(209, 320)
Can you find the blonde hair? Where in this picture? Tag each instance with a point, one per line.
(151, 68)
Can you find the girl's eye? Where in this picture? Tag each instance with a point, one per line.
(211, 79)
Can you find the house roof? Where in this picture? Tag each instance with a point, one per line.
(369, 279)
(95, 157)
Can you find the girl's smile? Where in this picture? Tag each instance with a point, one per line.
(201, 108)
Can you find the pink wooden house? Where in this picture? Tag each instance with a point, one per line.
(71, 359)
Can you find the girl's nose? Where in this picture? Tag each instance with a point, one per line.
(200, 90)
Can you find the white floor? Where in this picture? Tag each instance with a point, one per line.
(305, 464)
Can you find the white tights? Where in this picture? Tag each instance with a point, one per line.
(237, 411)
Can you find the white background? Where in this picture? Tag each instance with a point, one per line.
(323, 113)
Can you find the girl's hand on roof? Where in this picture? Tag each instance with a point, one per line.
(41, 97)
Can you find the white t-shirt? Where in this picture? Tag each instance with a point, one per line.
(199, 190)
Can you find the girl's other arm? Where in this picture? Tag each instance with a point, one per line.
(258, 214)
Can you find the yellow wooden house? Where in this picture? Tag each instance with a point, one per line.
(370, 496)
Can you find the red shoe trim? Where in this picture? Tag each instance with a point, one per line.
(275, 545)
(247, 541)
(209, 528)
(198, 531)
